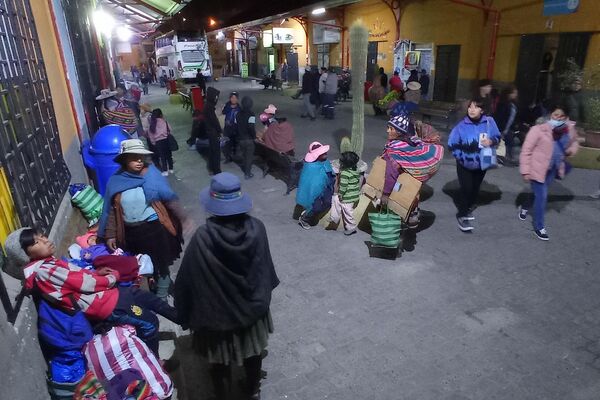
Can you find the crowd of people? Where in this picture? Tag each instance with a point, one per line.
(223, 288)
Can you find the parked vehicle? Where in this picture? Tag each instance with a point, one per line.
(181, 54)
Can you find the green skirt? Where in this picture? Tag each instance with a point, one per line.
(229, 347)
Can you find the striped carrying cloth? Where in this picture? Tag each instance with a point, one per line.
(121, 349)
(421, 160)
(90, 203)
(124, 117)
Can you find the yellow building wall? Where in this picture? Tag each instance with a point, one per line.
(65, 120)
(518, 19)
(382, 28)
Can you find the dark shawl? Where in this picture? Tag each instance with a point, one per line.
(226, 275)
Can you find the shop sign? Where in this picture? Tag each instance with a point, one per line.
(267, 39)
(283, 36)
(326, 34)
(559, 7)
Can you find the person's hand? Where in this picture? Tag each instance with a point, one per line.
(109, 271)
(111, 244)
(487, 142)
(384, 199)
(526, 178)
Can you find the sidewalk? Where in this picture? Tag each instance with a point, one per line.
(496, 314)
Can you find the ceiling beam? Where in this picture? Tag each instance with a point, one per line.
(150, 7)
(131, 9)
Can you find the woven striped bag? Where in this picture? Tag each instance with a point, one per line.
(385, 228)
(90, 203)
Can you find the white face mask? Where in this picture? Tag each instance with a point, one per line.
(556, 123)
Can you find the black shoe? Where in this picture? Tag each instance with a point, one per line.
(523, 214)
(542, 234)
(470, 217)
(464, 224)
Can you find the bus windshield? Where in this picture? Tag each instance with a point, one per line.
(192, 56)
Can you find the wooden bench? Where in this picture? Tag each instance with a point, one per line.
(186, 101)
(280, 165)
(437, 109)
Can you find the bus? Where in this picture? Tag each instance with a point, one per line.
(181, 54)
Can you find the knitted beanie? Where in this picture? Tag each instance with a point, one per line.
(14, 251)
(400, 123)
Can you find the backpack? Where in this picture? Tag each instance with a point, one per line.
(61, 330)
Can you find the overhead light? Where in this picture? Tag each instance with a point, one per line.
(124, 33)
(212, 22)
(103, 21)
(183, 19)
(283, 21)
(128, 20)
(318, 11)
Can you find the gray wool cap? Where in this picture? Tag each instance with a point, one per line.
(14, 251)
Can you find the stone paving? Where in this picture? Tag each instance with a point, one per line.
(496, 314)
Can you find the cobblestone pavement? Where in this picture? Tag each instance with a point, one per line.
(496, 314)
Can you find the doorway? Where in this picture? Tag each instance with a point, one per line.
(292, 72)
(446, 73)
(541, 60)
(371, 60)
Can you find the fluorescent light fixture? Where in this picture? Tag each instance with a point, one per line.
(124, 33)
(318, 11)
(228, 46)
(103, 21)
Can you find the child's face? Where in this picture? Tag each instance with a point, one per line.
(41, 248)
(92, 240)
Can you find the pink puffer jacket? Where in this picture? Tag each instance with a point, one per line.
(536, 152)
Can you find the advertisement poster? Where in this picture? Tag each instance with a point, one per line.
(411, 61)
(283, 36)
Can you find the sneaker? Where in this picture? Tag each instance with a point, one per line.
(523, 214)
(350, 233)
(303, 223)
(413, 220)
(165, 173)
(464, 224)
(171, 171)
(542, 234)
(193, 148)
(470, 217)
(595, 195)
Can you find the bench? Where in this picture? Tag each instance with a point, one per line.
(437, 109)
(281, 165)
(274, 84)
(186, 101)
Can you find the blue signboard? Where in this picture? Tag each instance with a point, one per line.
(559, 7)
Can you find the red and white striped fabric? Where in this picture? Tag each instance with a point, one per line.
(121, 349)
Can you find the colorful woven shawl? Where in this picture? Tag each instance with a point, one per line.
(125, 117)
(421, 160)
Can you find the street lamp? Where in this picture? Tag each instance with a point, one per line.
(103, 21)
(318, 11)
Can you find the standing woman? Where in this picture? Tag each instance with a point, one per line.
(213, 130)
(464, 143)
(158, 134)
(141, 213)
(506, 116)
(542, 159)
(223, 288)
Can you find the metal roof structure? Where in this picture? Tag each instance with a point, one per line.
(143, 16)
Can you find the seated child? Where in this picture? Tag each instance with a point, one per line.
(315, 188)
(96, 293)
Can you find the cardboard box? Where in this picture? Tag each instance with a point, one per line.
(404, 196)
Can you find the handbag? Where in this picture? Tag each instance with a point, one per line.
(487, 155)
(173, 145)
(501, 149)
(385, 227)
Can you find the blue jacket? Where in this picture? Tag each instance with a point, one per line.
(230, 113)
(314, 179)
(464, 140)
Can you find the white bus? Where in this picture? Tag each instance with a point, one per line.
(181, 54)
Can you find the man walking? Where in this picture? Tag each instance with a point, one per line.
(308, 107)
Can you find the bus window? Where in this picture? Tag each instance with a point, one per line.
(162, 61)
(192, 56)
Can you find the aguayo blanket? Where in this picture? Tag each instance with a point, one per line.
(421, 160)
